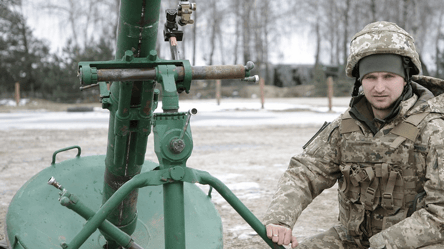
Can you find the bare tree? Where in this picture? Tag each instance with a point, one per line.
(247, 6)
(439, 37)
(345, 39)
(237, 8)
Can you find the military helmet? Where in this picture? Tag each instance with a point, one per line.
(381, 38)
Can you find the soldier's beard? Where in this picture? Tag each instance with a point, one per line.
(384, 108)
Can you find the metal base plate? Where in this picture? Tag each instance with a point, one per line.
(35, 218)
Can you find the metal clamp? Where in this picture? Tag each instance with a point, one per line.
(185, 10)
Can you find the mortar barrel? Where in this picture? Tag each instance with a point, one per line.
(137, 31)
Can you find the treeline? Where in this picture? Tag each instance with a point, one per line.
(28, 61)
(225, 32)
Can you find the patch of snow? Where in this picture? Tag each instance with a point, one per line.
(243, 186)
(12, 102)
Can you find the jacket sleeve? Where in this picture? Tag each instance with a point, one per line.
(307, 175)
(426, 225)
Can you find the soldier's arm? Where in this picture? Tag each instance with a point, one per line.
(306, 177)
(425, 226)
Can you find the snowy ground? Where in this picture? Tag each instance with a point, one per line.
(231, 112)
(246, 147)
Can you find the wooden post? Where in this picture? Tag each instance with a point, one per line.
(330, 92)
(17, 93)
(218, 86)
(261, 86)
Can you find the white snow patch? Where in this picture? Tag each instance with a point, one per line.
(11, 102)
(243, 186)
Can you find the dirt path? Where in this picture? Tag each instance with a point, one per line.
(249, 159)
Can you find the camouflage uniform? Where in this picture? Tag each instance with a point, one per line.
(390, 192)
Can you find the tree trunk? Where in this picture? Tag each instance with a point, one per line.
(194, 37)
(373, 10)
(439, 35)
(237, 32)
(213, 31)
(345, 39)
(246, 6)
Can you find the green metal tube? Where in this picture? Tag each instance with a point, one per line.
(144, 125)
(138, 21)
(107, 227)
(138, 25)
(174, 215)
(121, 126)
(146, 179)
(241, 209)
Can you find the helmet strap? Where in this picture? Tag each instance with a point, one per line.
(356, 86)
(406, 64)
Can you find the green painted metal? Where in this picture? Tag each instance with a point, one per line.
(168, 128)
(55, 224)
(129, 125)
(54, 155)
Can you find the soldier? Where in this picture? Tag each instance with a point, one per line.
(386, 152)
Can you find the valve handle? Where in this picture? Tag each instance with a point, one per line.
(177, 145)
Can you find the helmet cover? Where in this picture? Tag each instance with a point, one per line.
(381, 38)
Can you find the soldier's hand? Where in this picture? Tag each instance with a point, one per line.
(281, 235)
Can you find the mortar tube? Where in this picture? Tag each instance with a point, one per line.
(137, 31)
(241, 209)
(116, 172)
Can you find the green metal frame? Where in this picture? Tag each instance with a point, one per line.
(168, 176)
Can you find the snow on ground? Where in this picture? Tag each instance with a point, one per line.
(235, 112)
(11, 102)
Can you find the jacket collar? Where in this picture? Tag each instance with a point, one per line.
(413, 100)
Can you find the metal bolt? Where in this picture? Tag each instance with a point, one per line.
(177, 146)
(52, 181)
(128, 55)
(153, 55)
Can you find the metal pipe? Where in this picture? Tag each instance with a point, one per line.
(138, 181)
(107, 227)
(241, 209)
(174, 215)
(217, 72)
(198, 73)
(136, 74)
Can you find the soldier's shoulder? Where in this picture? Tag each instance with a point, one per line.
(436, 104)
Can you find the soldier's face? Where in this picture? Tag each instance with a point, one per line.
(382, 89)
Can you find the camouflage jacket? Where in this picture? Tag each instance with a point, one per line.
(318, 168)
